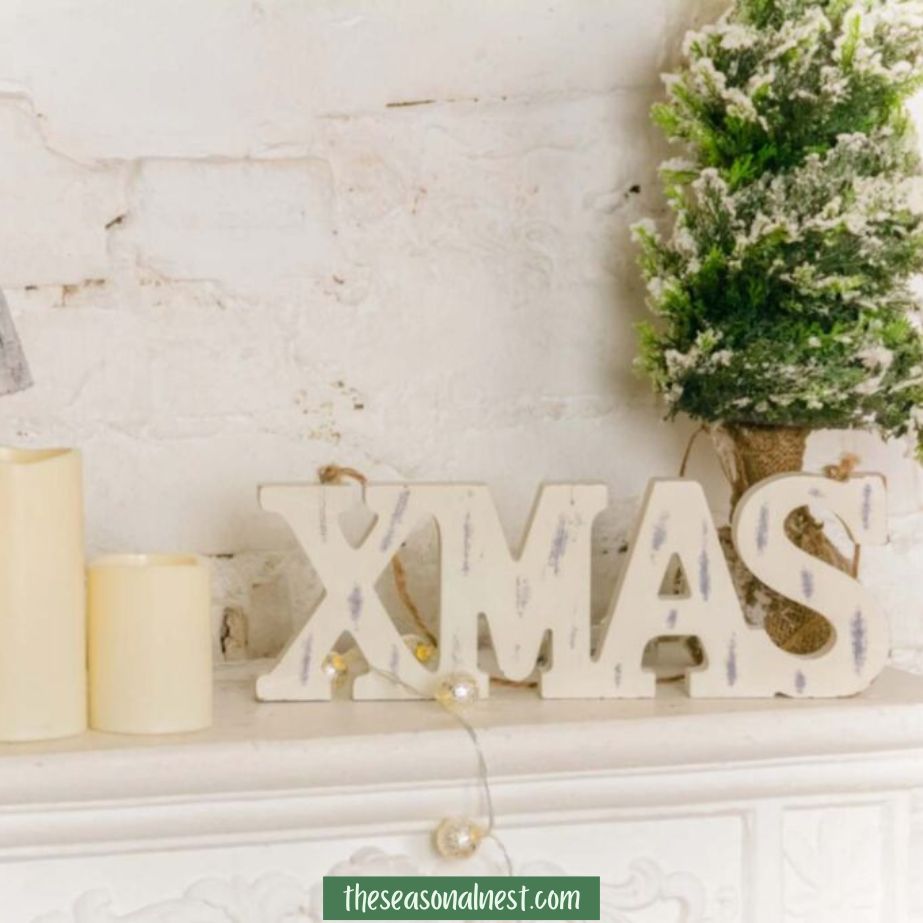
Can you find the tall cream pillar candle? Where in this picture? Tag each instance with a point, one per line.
(42, 597)
(149, 644)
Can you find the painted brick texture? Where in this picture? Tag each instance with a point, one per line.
(245, 239)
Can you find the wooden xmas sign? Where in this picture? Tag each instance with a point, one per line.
(546, 588)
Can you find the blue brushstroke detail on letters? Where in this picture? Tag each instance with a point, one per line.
(866, 506)
(762, 529)
(659, 535)
(731, 663)
(704, 575)
(558, 545)
(859, 641)
(807, 584)
(396, 516)
(355, 604)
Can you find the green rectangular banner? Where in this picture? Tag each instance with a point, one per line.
(450, 897)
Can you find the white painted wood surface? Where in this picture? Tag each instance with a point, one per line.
(542, 589)
(749, 811)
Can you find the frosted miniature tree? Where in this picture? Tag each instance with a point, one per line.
(784, 290)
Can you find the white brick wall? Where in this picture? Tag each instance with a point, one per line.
(245, 239)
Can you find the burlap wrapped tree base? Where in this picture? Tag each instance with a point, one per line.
(749, 454)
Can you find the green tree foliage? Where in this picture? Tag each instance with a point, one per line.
(783, 293)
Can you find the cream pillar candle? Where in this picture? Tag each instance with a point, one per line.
(42, 598)
(149, 644)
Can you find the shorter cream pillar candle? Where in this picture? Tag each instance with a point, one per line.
(149, 644)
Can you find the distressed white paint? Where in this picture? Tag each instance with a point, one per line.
(545, 587)
(545, 590)
(350, 604)
(740, 659)
(860, 643)
(234, 255)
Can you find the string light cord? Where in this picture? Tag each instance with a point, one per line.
(448, 698)
(454, 837)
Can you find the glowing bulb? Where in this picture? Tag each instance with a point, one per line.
(457, 689)
(334, 667)
(457, 838)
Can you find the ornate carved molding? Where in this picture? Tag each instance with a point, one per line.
(268, 899)
(277, 898)
(647, 885)
(834, 865)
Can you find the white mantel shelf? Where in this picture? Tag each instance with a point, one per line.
(274, 746)
(740, 778)
(721, 749)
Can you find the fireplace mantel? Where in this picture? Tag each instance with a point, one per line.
(751, 811)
